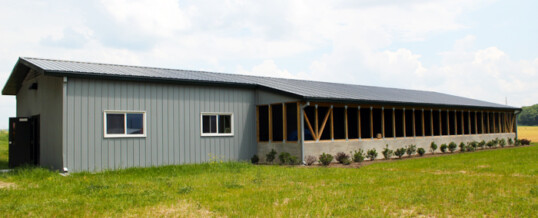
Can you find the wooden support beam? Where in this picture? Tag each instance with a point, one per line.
(316, 121)
(455, 122)
(499, 118)
(494, 121)
(332, 123)
(431, 122)
(359, 122)
(258, 123)
(324, 123)
(383, 121)
(475, 122)
(314, 136)
(462, 123)
(284, 123)
(414, 126)
(423, 128)
(440, 122)
(482, 121)
(469, 123)
(448, 122)
(371, 122)
(299, 130)
(270, 123)
(487, 115)
(394, 122)
(403, 125)
(345, 122)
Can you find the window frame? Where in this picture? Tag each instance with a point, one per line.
(124, 135)
(202, 114)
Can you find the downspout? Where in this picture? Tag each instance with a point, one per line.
(302, 130)
(517, 115)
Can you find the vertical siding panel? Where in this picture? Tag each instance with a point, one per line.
(190, 110)
(184, 124)
(130, 142)
(162, 123)
(141, 102)
(124, 142)
(78, 138)
(97, 125)
(135, 104)
(70, 124)
(117, 142)
(173, 131)
(91, 125)
(170, 121)
(111, 142)
(176, 126)
(105, 145)
(154, 135)
(237, 124)
(149, 114)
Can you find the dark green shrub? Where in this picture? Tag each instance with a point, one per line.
(342, 157)
(469, 147)
(502, 142)
(517, 142)
(443, 148)
(270, 157)
(325, 159)
(310, 159)
(387, 153)
(490, 144)
(358, 156)
(372, 154)
(525, 142)
(400, 152)
(421, 151)
(452, 147)
(293, 160)
(433, 147)
(411, 149)
(284, 157)
(510, 141)
(462, 147)
(473, 144)
(481, 144)
(255, 159)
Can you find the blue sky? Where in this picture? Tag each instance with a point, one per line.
(482, 49)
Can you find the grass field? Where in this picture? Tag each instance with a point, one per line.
(498, 182)
(528, 132)
(3, 149)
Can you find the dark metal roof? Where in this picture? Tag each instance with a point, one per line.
(304, 89)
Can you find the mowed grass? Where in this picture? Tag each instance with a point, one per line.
(498, 182)
(528, 132)
(4, 149)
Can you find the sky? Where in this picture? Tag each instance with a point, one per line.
(482, 49)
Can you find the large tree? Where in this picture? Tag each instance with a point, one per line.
(529, 116)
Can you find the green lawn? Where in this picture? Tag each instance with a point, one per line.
(3, 149)
(499, 182)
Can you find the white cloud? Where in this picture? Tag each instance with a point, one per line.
(267, 68)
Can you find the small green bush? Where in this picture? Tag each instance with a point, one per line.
(372, 154)
(255, 159)
(481, 144)
(452, 147)
(310, 159)
(517, 142)
(342, 157)
(469, 147)
(358, 156)
(491, 144)
(502, 142)
(421, 151)
(510, 141)
(325, 159)
(270, 157)
(284, 157)
(411, 149)
(400, 152)
(293, 160)
(433, 147)
(387, 153)
(473, 144)
(462, 147)
(443, 148)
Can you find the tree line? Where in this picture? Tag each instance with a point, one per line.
(528, 116)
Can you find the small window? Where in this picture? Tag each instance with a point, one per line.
(125, 124)
(217, 124)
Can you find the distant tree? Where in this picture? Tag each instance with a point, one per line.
(528, 116)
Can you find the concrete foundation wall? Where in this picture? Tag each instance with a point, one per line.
(333, 147)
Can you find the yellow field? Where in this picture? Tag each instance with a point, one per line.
(528, 132)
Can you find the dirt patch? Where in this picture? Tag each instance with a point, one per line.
(7, 185)
(182, 208)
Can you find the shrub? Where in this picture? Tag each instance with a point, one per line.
(421, 151)
(270, 157)
(346, 161)
(387, 153)
(433, 147)
(342, 157)
(490, 144)
(372, 154)
(469, 147)
(481, 144)
(358, 156)
(525, 142)
(293, 160)
(411, 149)
(502, 142)
(510, 141)
(284, 157)
(517, 142)
(473, 144)
(462, 147)
(452, 147)
(325, 159)
(400, 152)
(255, 159)
(443, 148)
(310, 159)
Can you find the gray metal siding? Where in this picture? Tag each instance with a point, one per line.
(46, 101)
(173, 124)
(265, 97)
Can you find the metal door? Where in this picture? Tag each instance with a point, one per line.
(23, 141)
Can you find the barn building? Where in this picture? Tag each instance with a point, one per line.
(79, 116)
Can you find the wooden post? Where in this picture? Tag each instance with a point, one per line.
(462, 123)
(482, 121)
(475, 122)
(494, 120)
(414, 127)
(329, 112)
(309, 125)
(316, 121)
(394, 122)
(447, 122)
(359, 121)
(440, 122)
(345, 121)
(332, 123)
(487, 115)
(383, 121)
(423, 127)
(469, 122)
(455, 122)
(258, 123)
(270, 123)
(431, 122)
(299, 130)
(371, 122)
(284, 124)
(499, 118)
(404, 126)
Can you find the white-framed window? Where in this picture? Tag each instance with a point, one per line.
(124, 124)
(216, 124)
